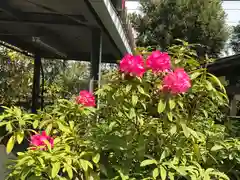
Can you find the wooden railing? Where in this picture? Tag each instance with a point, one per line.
(123, 16)
(127, 27)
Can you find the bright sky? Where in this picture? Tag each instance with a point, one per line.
(232, 9)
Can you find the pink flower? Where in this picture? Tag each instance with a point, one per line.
(132, 65)
(177, 81)
(39, 140)
(158, 61)
(86, 98)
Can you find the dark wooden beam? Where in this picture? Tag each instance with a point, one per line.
(72, 18)
(42, 19)
(52, 38)
(19, 43)
(96, 59)
(36, 84)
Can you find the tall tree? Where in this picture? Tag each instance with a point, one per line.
(235, 39)
(163, 21)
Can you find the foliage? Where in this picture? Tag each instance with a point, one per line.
(138, 132)
(15, 71)
(75, 77)
(235, 39)
(61, 79)
(201, 22)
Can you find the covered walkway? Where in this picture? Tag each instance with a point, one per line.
(83, 30)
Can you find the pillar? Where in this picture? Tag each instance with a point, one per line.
(231, 95)
(96, 58)
(36, 84)
(233, 106)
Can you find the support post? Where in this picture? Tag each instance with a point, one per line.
(96, 58)
(36, 83)
(232, 97)
(233, 106)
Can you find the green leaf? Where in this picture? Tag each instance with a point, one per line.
(185, 130)
(128, 88)
(170, 116)
(155, 173)
(9, 127)
(134, 100)
(148, 162)
(93, 176)
(163, 173)
(161, 106)
(163, 155)
(193, 133)
(21, 122)
(48, 145)
(205, 113)
(217, 81)
(10, 144)
(69, 170)
(197, 151)
(140, 89)
(209, 86)
(71, 123)
(41, 161)
(195, 75)
(141, 121)
(132, 113)
(49, 128)
(216, 148)
(84, 164)
(20, 136)
(20, 154)
(173, 130)
(103, 169)
(63, 127)
(219, 174)
(35, 124)
(171, 176)
(96, 158)
(172, 104)
(180, 104)
(55, 169)
(206, 177)
(3, 123)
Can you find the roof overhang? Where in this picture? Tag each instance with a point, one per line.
(66, 28)
(226, 66)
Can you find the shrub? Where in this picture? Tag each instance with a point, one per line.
(152, 123)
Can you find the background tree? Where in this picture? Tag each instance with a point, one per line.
(60, 79)
(202, 22)
(16, 72)
(235, 39)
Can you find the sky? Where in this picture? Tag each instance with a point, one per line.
(232, 9)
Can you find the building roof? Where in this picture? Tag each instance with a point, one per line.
(226, 66)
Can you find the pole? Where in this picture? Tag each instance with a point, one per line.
(96, 58)
(36, 83)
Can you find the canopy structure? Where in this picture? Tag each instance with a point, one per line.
(229, 69)
(84, 30)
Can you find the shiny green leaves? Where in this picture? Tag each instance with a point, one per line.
(161, 106)
(10, 144)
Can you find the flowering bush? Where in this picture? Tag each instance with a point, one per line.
(154, 125)
(158, 61)
(41, 141)
(86, 99)
(132, 65)
(177, 81)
